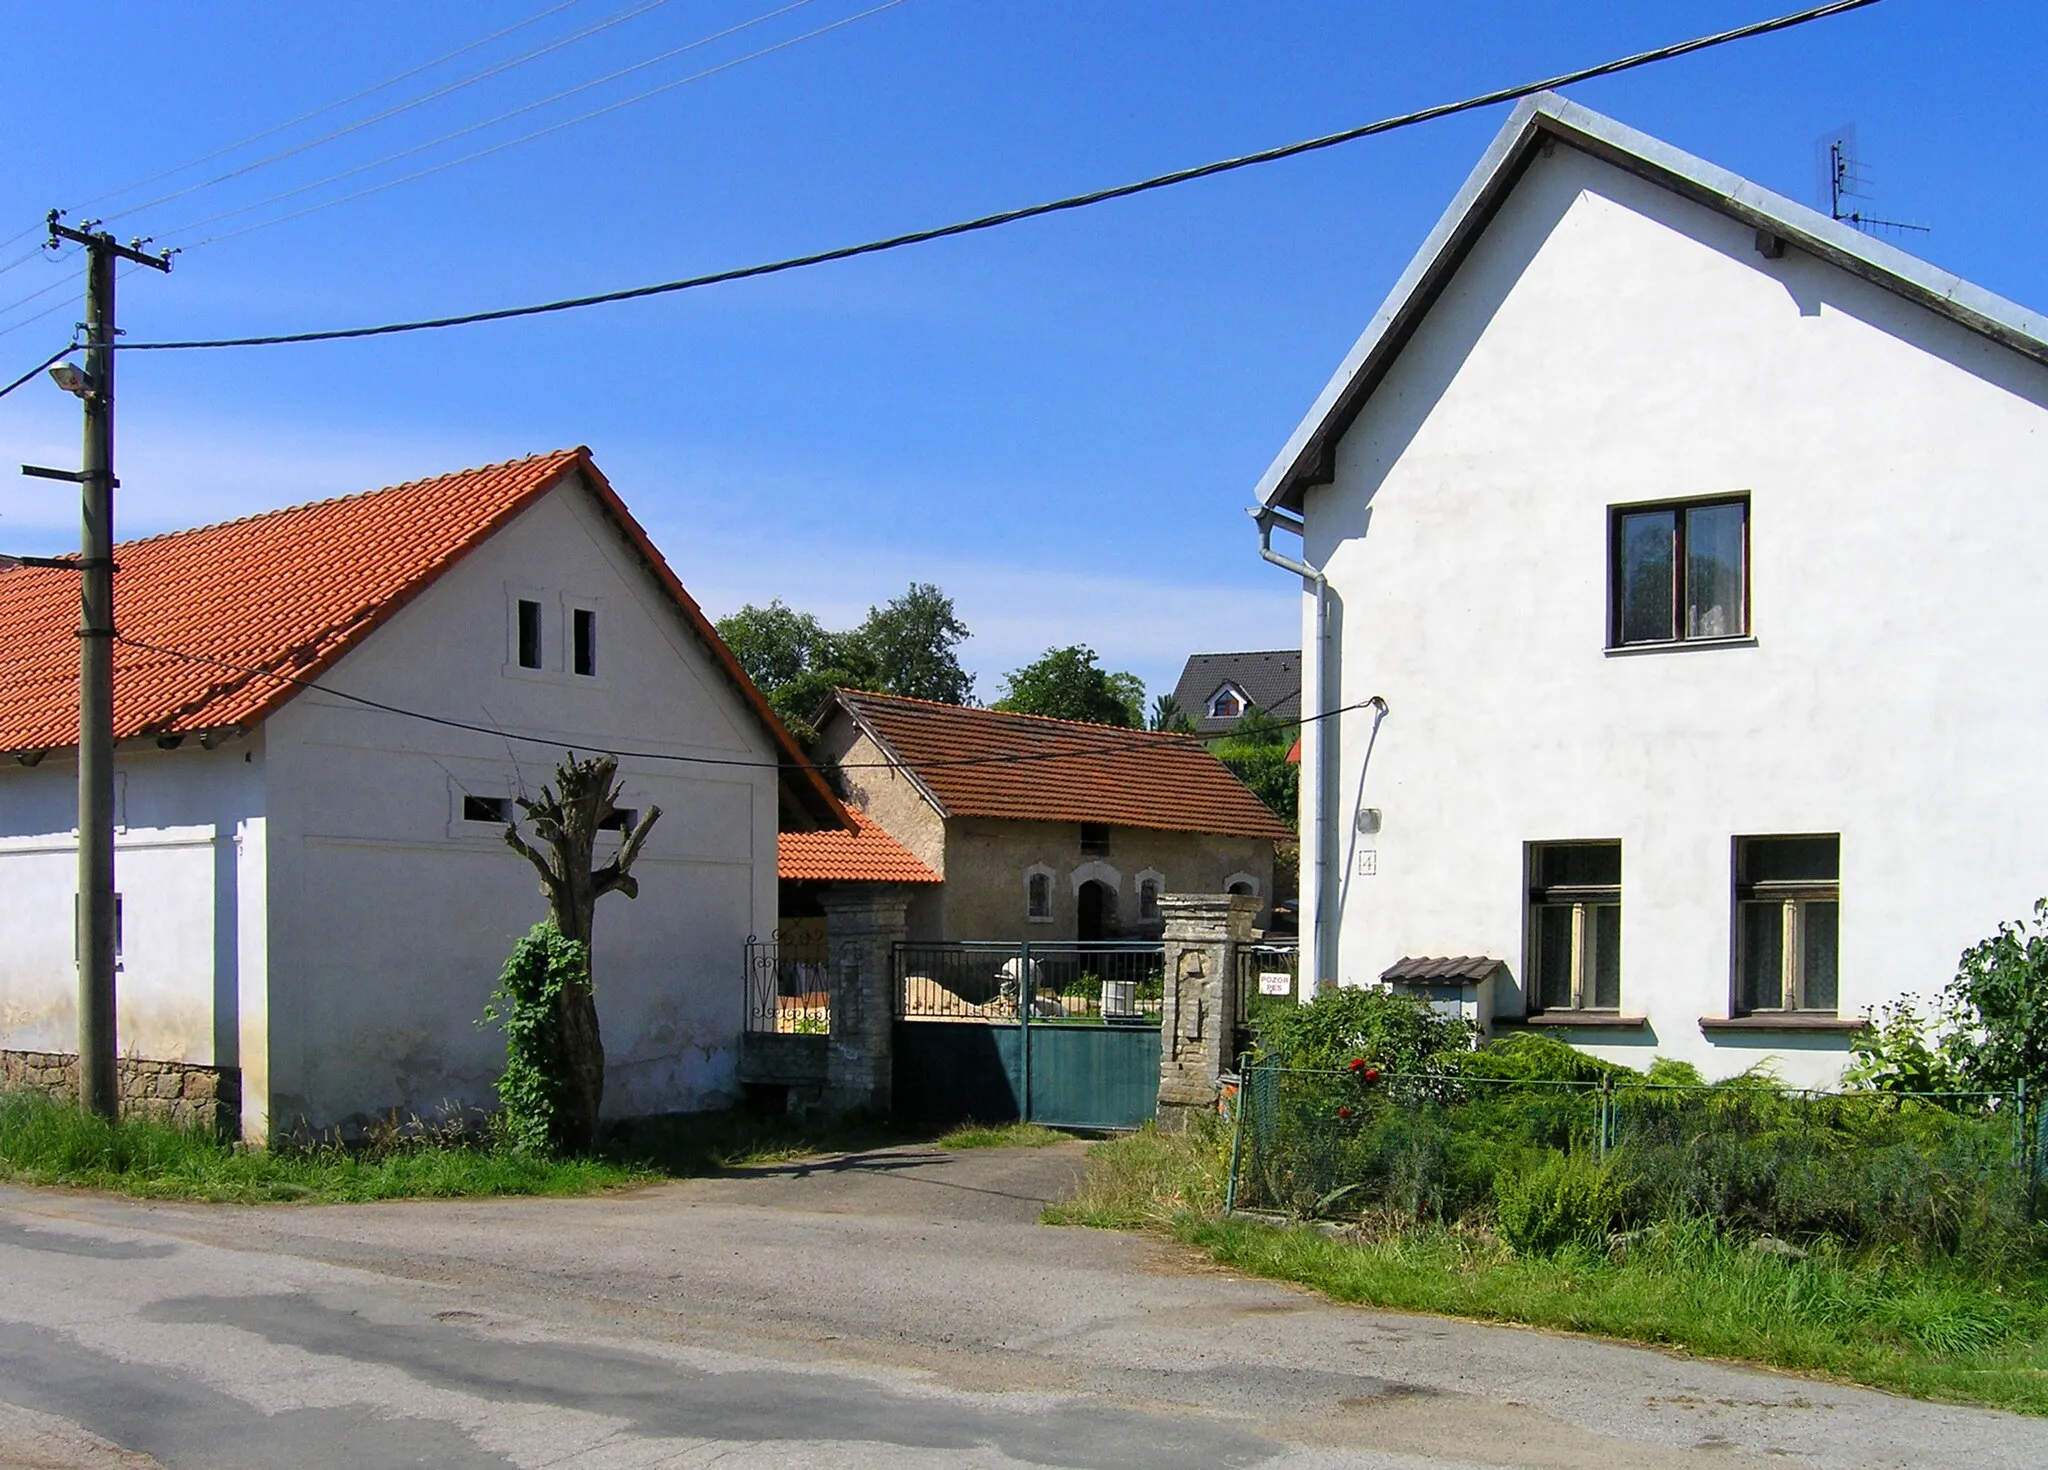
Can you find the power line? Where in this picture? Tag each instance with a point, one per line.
(363, 168)
(49, 361)
(1033, 211)
(357, 97)
(1131, 741)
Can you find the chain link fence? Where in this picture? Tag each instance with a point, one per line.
(1947, 1172)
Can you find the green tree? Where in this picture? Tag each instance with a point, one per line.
(906, 646)
(912, 641)
(1068, 684)
(1256, 752)
(1169, 716)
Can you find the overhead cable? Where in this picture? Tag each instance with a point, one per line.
(1033, 211)
(1117, 741)
(491, 122)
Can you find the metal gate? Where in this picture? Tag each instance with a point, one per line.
(1065, 1034)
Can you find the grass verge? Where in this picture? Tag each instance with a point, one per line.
(1930, 1329)
(47, 1143)
(999, 1135)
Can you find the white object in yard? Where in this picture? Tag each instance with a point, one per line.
(1119, 997)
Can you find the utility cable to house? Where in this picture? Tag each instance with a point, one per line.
(993, 221)
(520, 111)
(1132, 741)
(1035, 211)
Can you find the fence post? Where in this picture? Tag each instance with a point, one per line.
(1027, 997)
(1198, 1013)
(1246, 1079)
(1606, 1116)
(864, 923)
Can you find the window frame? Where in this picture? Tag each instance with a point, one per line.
(1036, 873)
(1232, 693)
(1678, 506)
(1794, 895)
(1581, 898)
(581, 616)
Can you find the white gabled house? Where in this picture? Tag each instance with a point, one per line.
(1693, 542)
(314, 891)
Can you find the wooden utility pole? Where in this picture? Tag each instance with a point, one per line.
(97, 917)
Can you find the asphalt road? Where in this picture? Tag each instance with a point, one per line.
(899, 1308)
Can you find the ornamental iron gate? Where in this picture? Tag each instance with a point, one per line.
(1063, 1033)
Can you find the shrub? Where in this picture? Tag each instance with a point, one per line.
(1394, 1033)
(1894, 1055)
(534, 1089)
(1568, 1199)
(1998, 1006)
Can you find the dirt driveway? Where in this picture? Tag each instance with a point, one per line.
(897, 1308)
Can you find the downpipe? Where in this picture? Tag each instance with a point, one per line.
(1267, 518)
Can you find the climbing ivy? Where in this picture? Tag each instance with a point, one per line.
(526, 1006)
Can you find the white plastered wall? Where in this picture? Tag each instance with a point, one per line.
(1608, 342)
(185, 818)
(390, 916)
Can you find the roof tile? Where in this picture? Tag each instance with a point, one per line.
(989, 763)
(867, 855)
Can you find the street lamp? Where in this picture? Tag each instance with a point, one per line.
(72, 379)
(59, 563)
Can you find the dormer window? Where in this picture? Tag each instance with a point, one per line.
(1227, 703)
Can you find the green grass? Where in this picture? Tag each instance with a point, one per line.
(1932, 1329)
(1001, 1135)
(48, 1143)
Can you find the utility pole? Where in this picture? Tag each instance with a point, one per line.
(97, 918)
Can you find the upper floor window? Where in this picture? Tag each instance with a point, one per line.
(583, 640)
(1227, 703)
(1038, 896)
(528, 633)
(1095, 839)
(1787, 929)
(1575, 926)
(622, 819)
(1679, 571)
(486, 808)
(1148, 898)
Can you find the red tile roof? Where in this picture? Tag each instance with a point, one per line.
(867, 855)
(986, 763)
(288, 592)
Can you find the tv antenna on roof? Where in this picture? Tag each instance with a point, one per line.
(1843, 178)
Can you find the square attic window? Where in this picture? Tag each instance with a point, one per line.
(1095, 839)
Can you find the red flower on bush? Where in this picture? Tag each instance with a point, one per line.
(1358, 1064)
(1343, 1112)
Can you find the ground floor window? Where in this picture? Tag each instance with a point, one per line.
(1575, 926)
(1787, 923)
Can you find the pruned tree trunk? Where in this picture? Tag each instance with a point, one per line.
(565, 820)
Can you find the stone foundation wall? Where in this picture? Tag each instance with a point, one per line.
(179, 1093)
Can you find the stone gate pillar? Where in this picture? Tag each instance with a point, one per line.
(1199, 1020)
(863, 925)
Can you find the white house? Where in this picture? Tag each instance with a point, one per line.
(1692, 541)
(314, 889)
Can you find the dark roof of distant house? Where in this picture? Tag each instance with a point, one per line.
(221, 626)
(1271, 680)
(972, 762)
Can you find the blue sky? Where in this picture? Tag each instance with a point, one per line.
(1059, 423)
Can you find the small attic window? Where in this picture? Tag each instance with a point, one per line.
(486, 808)
(1227, 703)
(1095, 839)
(583, 637)
(622, 819)
(528, 633)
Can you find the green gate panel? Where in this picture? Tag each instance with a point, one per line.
(948, 1070)
(1094, 1076)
